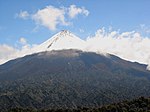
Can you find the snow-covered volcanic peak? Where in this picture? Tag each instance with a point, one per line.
(61, 40)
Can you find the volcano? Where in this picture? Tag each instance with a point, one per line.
(62, 75)
(62, 40)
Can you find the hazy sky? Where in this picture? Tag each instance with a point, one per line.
(37, 20)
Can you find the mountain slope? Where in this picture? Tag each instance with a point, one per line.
(60, 41)
(136, 105)
(70, 78)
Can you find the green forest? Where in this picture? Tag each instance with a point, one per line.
(141, 104)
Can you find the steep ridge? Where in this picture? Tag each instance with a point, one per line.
(62, 40)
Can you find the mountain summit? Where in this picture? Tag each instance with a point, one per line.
(62, 40)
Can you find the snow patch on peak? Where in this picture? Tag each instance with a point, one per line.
(62, 40)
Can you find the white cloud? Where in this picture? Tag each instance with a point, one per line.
(22, 41)
(145, 28)
(74, 11)
(23, 14)
(50, 17)
(127, 45)
(6, 53)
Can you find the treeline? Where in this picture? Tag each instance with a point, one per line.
(141, 104)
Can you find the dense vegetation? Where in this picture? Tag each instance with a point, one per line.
(70, 79)
(137, 105)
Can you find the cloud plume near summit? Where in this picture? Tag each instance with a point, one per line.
(127, 45)
(130, 46)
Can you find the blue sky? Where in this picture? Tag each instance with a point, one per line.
(127, 15)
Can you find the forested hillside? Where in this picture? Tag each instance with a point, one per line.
(70, 79)
(137, 105)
